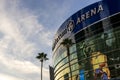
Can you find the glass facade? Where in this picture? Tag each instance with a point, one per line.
(95, 54)
(99, 49)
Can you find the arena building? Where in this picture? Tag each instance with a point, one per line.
(95, 30)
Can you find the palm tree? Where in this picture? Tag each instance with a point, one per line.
(42, 57)
(67, 43)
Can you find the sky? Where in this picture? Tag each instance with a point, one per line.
(27, 27)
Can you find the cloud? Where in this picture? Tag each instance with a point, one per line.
(23, 28)
(20, 68)
(25, 67)
(8, 77)
(22, 33)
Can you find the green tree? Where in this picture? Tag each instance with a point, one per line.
(42, 57)
(67, 43)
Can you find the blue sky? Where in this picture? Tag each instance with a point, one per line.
(27, 27)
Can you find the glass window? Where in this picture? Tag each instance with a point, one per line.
(62, 73)
(61, 54)
(73, 56)
(62, 63)
(75, 67)
(62, 68)
(73, 48)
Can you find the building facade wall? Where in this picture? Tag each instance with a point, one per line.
(95, 30)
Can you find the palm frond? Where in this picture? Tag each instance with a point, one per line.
(42, 56)
(67, 42)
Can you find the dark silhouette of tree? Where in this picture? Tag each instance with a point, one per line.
(42, 57)
(67, 43)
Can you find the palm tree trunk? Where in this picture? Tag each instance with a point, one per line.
(68, 54)
(41, 68)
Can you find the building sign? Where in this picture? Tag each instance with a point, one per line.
(71, 23)
(89, 13)
(87, 16)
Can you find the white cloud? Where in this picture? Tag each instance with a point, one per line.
(8, 77)
(20, 67)
(23, 28)
(24, 67)
(22, 33)
(17, 65)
